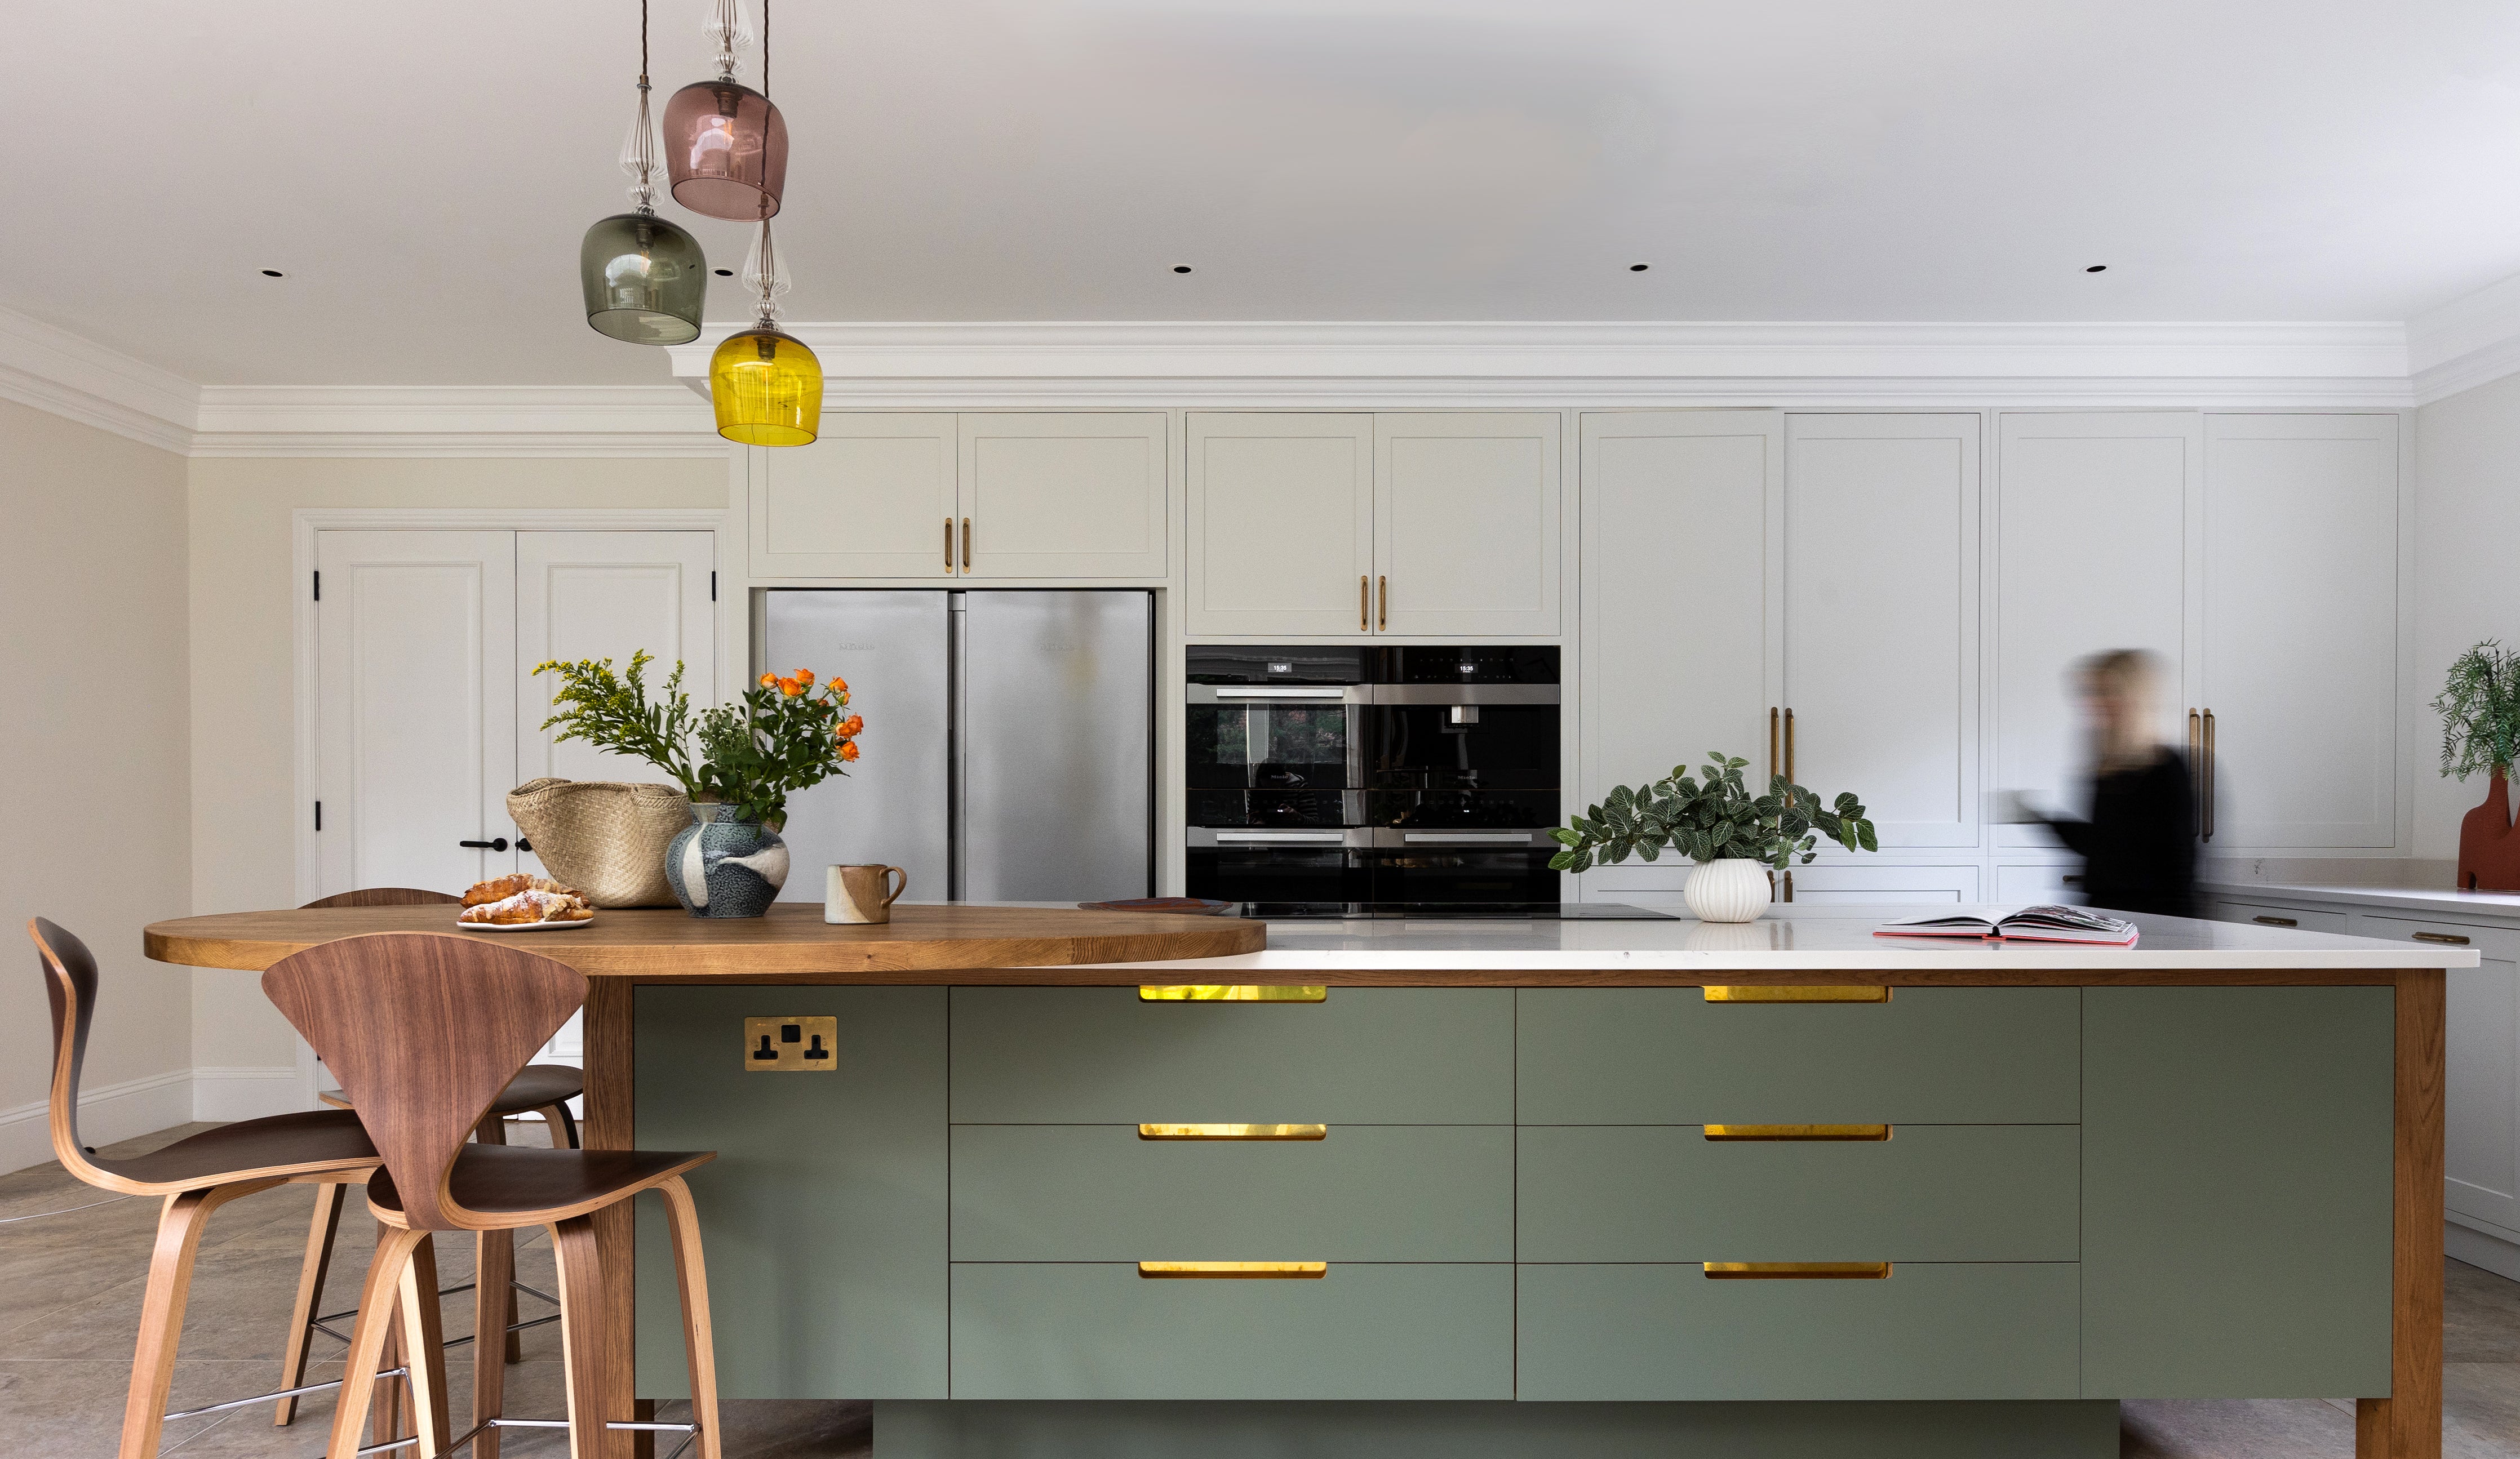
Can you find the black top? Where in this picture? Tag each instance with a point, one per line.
(2139, 849)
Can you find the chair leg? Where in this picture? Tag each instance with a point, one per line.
(162, 1310)
(379, 1302)
(493, 1131)
(424, 1336)
(384, 1410)
(564, 1129)
(700, 1342)
(320, 1232)
(494, 1271)
(582, 1336)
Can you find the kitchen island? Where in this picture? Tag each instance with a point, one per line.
(1499, 1189)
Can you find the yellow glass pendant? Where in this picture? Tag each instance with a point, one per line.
(767, 388)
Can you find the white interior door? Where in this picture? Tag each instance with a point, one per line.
(2301, 630)
(2096, 521)
(1280, 523)
(416, 708)
(1881, 618)
(1465, 524)
(1676, 665)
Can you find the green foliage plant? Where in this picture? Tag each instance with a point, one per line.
(2480, 709)
(1711, 816)
(785, 734)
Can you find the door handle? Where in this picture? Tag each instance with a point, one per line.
(1382, 610)
(1363, 602)
(1789, 751)
(1773, 762)
(2196, 767)
(2209, 776)
(523, 845)
(1754, 1270)
(949, 544)
(2451, 937)
(966, 543)
(1233, 1269)
(2276, 921)
(496, 843)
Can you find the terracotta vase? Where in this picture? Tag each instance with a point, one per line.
(2488, 853)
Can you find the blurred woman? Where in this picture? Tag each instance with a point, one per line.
(2139, 849)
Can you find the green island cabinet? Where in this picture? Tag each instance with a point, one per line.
(2085, 1194)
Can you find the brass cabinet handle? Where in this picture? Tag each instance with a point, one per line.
(1232, 993)
(2279, 921)
(1797, 993)
(1771, 742)
(1382, 609)
(1231, 1269)
(2210, 769)
(966, 543)
(1234, 1131)
(1789, 744)
(2071, 881)
(1789, 886)
(1841, 1270)
(2196, 766)
(2452, 937)
(1363, 602)
(949, 544)
(1796, 1131)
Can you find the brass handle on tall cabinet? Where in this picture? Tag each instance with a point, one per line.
(966, 543)
(1772, 761)
(1382, 604)
(2196, 766)
(1789, 744)
(2209, 776)
(1363, 602)
(949, 544)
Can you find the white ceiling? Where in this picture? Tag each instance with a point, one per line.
(422, 173)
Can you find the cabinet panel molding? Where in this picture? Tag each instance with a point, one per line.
(871, 499)
(1280, 523)
(1465, 524)
(1064, 494)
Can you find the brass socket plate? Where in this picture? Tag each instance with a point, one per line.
(792, 1043)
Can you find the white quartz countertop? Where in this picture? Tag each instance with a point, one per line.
(2435, 901)
(1838, 937)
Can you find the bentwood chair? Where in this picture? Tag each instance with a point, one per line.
(424, 1029)
(195, 1177)
(544, 1089)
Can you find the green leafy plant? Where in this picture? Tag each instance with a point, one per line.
(2480, 709)
(785, 734)
(1710, 817)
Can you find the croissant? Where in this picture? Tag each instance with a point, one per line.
(501, 888)
(531, 905)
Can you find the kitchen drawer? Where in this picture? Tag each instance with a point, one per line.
(1360, 1056)
(1094, 1329)
(1929, 1193)
(2256, 914)
(1631, 1333)
(2499, 943)
(1360, 1193)
(1927, 1056)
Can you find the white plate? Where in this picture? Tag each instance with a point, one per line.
(521, 926)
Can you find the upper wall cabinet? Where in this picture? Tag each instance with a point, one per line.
(2301, 631)
(2099, 523)
(1881, 619)
(1017, 496)
(1440, 524)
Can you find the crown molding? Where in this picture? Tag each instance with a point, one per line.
(368, 420)
(2466, 343)
(53, 370)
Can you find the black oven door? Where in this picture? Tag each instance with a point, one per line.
(1234, 863)
(1477, 736)
(1433, 869)
(1285, 739)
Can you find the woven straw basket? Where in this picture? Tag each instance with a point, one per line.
(605, 838)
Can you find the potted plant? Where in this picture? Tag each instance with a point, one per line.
(2480, 709)
(1735, 838)
(739, 762)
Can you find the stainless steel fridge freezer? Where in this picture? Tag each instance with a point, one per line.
(1010, 741)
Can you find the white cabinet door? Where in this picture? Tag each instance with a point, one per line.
(1465, 524)
(1078, 495)
(1280, 523)
(416, 708)
(872, 498)
(2301, 630)
(2095, 518)
(1881, 618)
(1678, 664)
(2482, 1062)
(608, 595)
(1860, 882)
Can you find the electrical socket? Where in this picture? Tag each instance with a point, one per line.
(791, 1044)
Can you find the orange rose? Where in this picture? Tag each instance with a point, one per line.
(840, 686)
(849, 750)
(791, 687)
(805, 677)
(853, 725)
(769, 680)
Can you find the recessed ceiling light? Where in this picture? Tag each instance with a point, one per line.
(271, 273)
(726, 273)
(1639, 268)
(2098, 268)
(1181, 268)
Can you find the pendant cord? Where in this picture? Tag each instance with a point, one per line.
(643, 45)
(765, 47)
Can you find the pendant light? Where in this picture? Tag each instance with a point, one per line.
(767, 386)
(726, 146)
(644, 280)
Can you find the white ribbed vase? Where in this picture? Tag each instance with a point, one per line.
(1731, 890)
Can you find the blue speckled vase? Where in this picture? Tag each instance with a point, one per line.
(720, 866)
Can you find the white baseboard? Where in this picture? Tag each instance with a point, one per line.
(108, 1112)
(2499, 1255)
(247, 1091)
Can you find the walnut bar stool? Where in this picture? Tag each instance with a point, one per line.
(195, 1176)
(544, 1089)
(424, 1029)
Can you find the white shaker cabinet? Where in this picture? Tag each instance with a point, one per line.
(2481, 1157)
(1881, 619)
(2098, 518)
(2301, 631)
(1465, 524)
(874, 497)
(1280, 523)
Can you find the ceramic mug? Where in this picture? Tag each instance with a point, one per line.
(856, 894)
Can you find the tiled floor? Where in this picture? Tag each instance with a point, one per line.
(70, 1298)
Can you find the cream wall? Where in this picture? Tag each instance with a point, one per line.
(2467, 537)
(92, 589)
(243, 594)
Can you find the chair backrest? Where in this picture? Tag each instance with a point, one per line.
(424, 1029)
(383, 897)
(70, 985)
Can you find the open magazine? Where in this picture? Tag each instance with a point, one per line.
(2031, 924)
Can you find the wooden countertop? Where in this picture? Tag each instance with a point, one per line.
(792, 944)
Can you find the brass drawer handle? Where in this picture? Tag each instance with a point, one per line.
(1806, 1271)
(1796, 993)
(1231, 992)
(2279, 921)
(2452, 937)
(1234, 1269)
(1797, 1132)
(1234, 1131)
